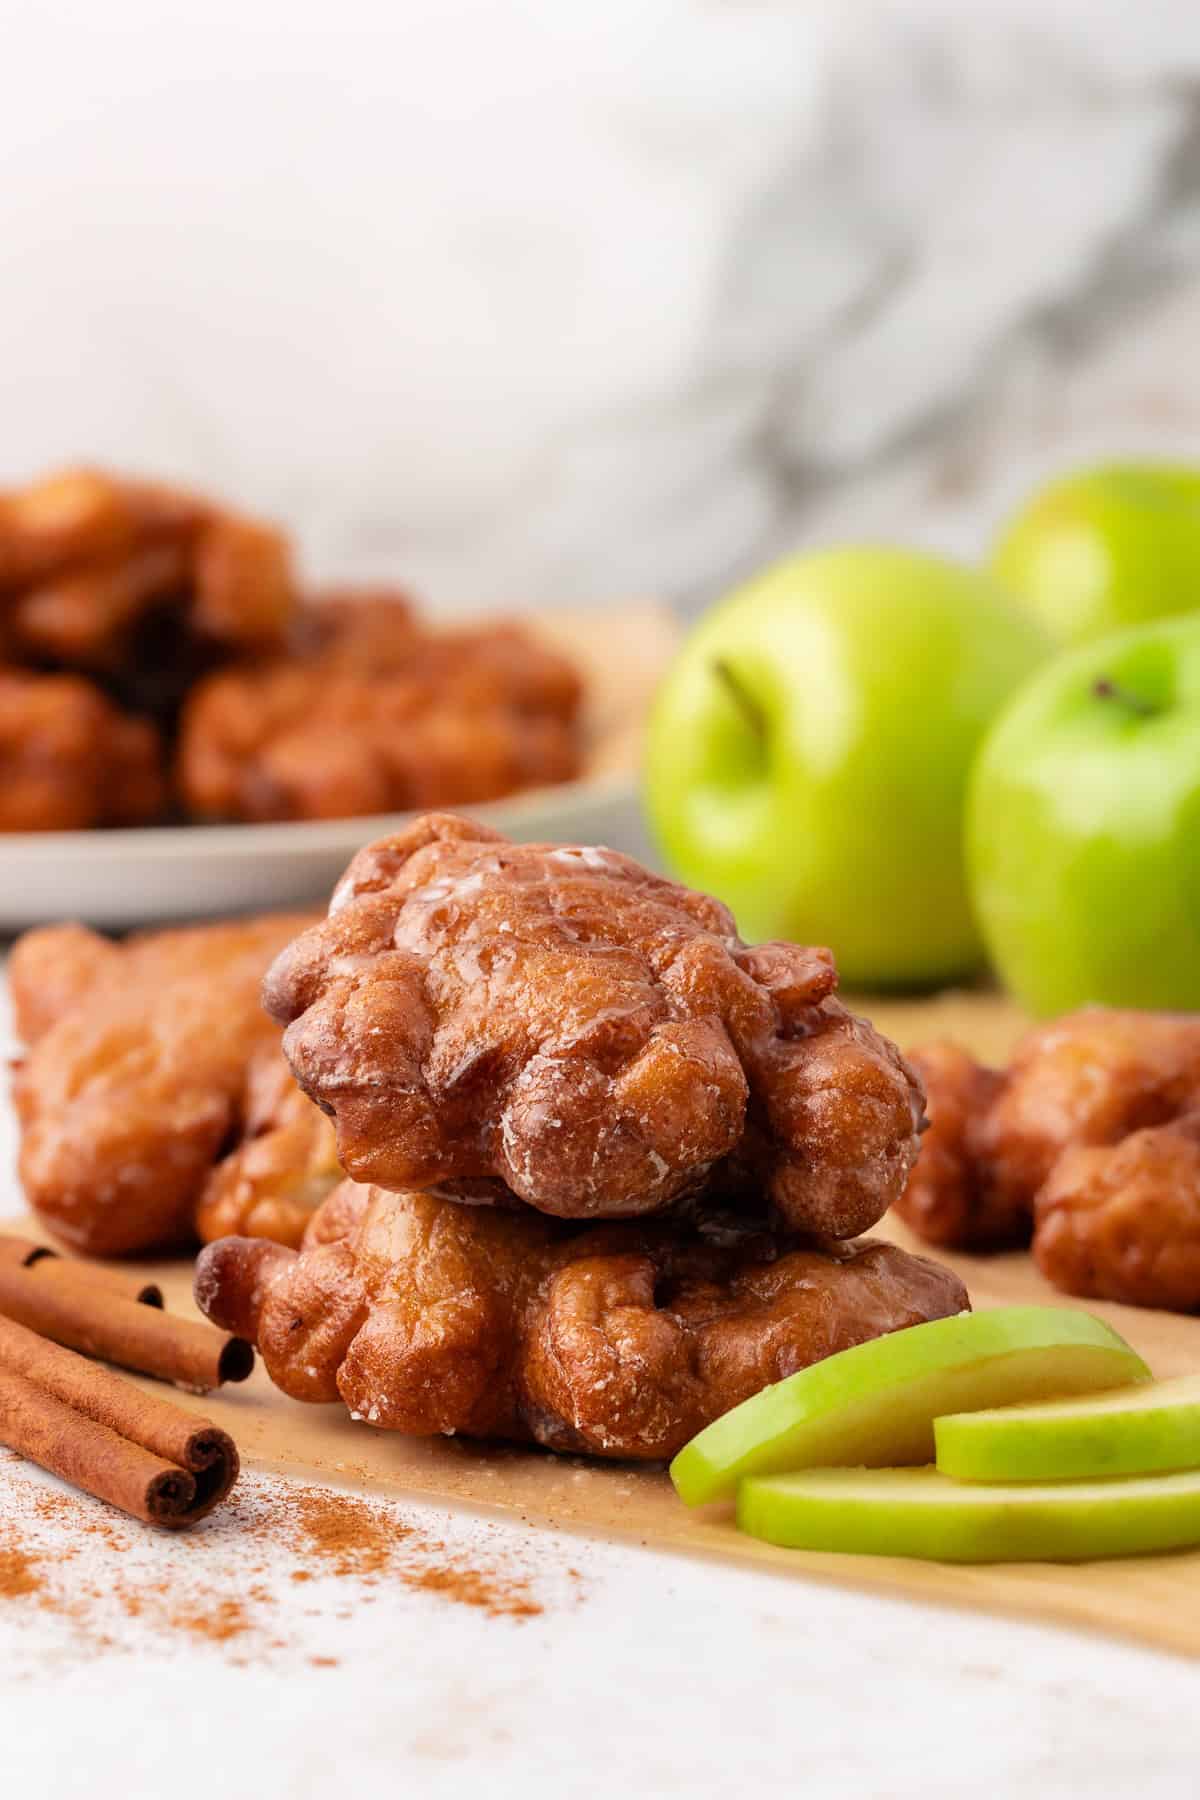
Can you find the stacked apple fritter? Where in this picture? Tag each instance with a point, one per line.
(605, 1157)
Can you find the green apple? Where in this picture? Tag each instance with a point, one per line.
(1083, 826)
(917, 1512)
(807, 755)
(1137, 1431)
(1104, 548)
(875, 1404)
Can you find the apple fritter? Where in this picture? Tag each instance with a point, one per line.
(139, 583)
(380, 715)
(147, 1064)
(494, 1020)
(616, 1340)
(1086, 1141)
(85, 518)
(1122, 1222)
(70, 759)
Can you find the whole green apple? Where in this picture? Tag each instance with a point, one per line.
(808, 754)
(1105, 548)
(1083, 826)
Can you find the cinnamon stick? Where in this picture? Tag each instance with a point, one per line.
(108, 1325)
(99, 1432)
(53, 1267)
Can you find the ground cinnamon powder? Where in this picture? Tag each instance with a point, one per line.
(18, 1573)
(220, 1584)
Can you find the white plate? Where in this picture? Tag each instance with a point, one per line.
(139, 877)
(120, 878)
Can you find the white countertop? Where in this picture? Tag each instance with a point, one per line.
(643, 1674)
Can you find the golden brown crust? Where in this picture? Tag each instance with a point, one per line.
(617, 1340)
(70, 759)
(134, 1085)
(1087, 1140)
(380, 715)
(492, 1019)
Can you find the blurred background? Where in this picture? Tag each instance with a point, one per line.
(542, 303)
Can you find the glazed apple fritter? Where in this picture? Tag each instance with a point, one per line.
(617, 1340)
(153, 1088)
(380, 715)
(1088, 1141)
(495, 1020)
(70, 759)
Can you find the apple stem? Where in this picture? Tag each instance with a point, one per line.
(749, 708)
(1104, 689)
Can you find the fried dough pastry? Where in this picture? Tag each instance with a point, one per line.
(491, 1019)
(1087, 1140)
(283, 1168)
(1123, 1223)
(70, 759)
(136, 581)
(375, 631)
(380, 716)
(83, 517)
(957, 1195)
(617, 1340)
(149, 1062)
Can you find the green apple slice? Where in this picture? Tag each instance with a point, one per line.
(917, 1512)
(875, 1404)
(1137, 1431)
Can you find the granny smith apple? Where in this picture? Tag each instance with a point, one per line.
(875, 1404)
(1137, 1431)
(1105, 548)
(1083, 826)
(808, 753)
(917, 1512)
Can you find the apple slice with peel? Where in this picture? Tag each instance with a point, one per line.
(917, 1512)
(1136, 1431)
(875, 1404)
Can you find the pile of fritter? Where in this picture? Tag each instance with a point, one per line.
(1088, 1145)
(157, 661)
(607, 1161)
(599, 1169)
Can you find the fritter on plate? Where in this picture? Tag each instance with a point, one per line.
(70, 759)
(1088, 1140)
(149, 1063)
(618, 1340)
(380, 715)
(495, 1020)
(140, 584)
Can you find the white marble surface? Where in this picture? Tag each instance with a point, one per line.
(539, 301)
(644, 1674)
